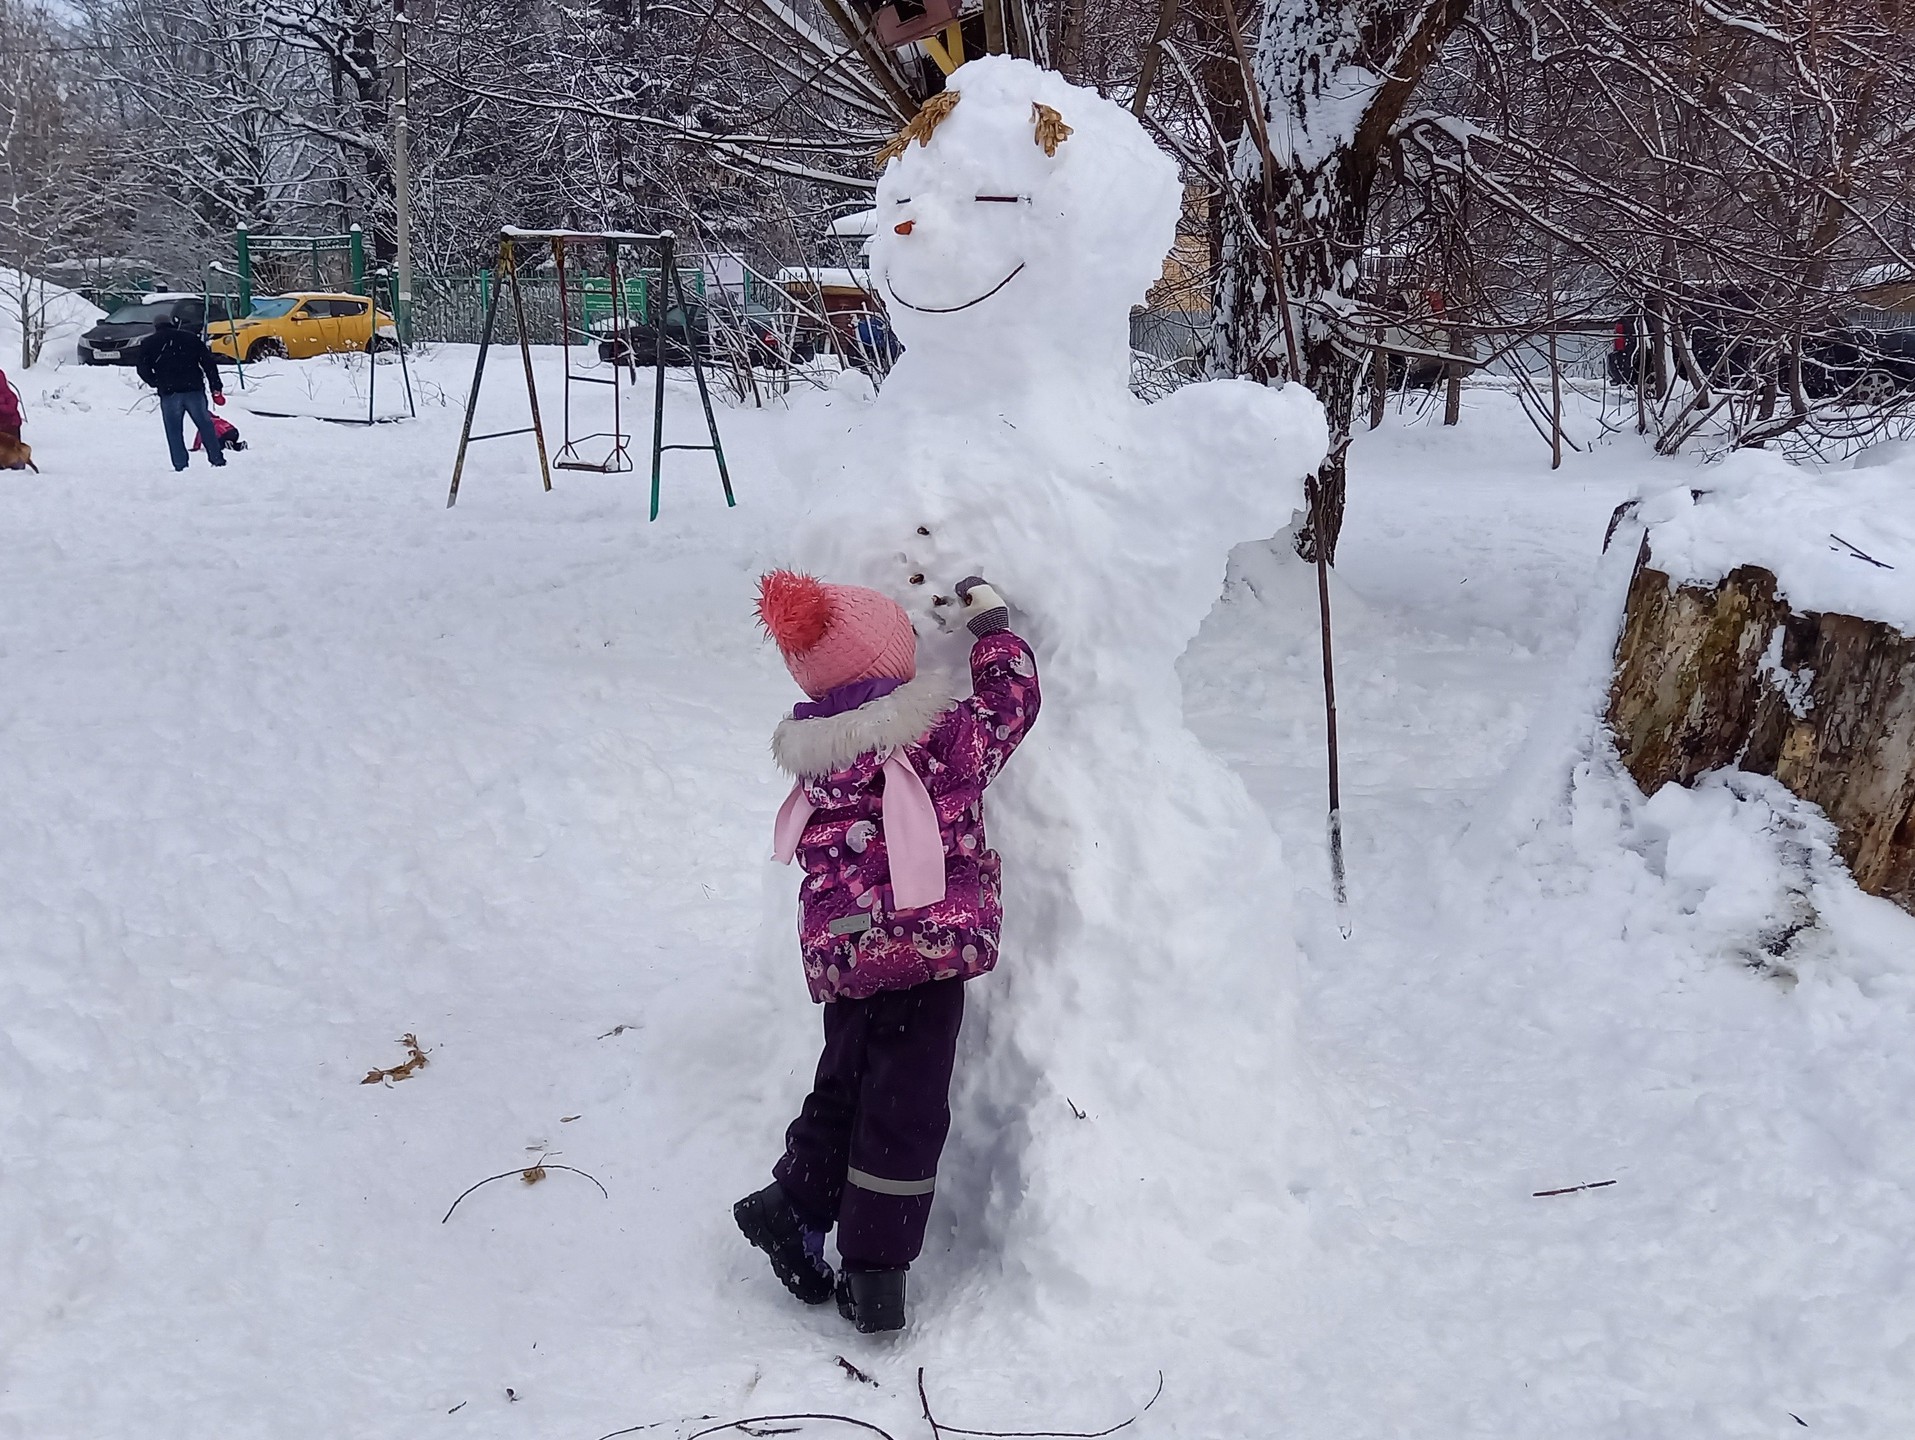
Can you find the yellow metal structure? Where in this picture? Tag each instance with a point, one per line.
(948, 53)
(302, 324)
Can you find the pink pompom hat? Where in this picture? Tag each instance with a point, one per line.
(833, 635)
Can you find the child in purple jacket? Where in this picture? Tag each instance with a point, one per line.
(898, 908)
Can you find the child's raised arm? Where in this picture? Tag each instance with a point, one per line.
(1004, 701)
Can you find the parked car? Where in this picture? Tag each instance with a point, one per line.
(1865, 366)
(302, 324)
(762, 331)
(114, 340)
(1406, 348)
(1713, 324)
(1721, 359)
(1868, 365)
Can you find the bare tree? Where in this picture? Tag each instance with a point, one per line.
(54, 165)
(1331, 79)
(1727, 173)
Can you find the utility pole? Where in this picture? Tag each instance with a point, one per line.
(401, 172)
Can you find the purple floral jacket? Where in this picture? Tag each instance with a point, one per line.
(853, 940)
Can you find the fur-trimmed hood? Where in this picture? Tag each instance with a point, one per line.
(821, 746)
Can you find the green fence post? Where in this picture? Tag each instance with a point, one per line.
(357, 240)
(243, 252)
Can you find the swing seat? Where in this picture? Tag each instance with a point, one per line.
(616, 463)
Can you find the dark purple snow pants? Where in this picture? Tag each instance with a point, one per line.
(864, 1149)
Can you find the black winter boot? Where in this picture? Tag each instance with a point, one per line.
(796, 1250)
(873, 1300)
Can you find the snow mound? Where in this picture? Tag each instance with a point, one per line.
(66, 312)
(1839, 541)
(1148, 945)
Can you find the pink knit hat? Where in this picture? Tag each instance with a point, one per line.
(832, 635)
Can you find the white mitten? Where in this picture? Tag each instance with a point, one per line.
(984, 609)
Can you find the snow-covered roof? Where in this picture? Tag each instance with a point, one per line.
(830, 277)
(858, 222)
(154, 297)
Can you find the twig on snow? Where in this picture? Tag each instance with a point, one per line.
(854, 1372)
(939, 1429)
(531, 1175)
(653, 1425)
(745, 1423)
(1571, 1189)
(415, 1061)
(1860, 554)
(773, 1419)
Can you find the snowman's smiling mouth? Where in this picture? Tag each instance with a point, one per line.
(951, 309)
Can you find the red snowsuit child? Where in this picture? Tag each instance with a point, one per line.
(898, 908)
(13, 453)
(228, 434)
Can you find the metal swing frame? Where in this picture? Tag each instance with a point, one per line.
(671, 290)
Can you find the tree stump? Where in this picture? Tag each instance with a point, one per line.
(1731, 676)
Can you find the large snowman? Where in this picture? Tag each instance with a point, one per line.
(1146, 972)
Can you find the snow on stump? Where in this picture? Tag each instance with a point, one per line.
(1801, 666)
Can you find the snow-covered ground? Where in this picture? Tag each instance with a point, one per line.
(294, 761)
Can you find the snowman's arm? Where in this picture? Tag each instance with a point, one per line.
(978, 736)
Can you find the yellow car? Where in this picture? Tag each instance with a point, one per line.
(303, 324)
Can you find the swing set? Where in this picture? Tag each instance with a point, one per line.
(656, 300)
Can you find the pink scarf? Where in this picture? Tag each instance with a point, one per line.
(911, 837)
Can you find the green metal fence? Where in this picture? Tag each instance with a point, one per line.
(450, 309)
(273, 264)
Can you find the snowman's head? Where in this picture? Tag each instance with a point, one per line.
(1024, 216)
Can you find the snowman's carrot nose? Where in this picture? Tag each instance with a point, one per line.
(904, 226)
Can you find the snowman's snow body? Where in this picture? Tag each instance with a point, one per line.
(1147, 951)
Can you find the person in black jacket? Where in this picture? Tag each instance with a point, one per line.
(178, 364)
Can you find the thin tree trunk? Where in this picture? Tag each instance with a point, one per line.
(1313, 206)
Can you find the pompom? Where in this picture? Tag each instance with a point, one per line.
(794, 609)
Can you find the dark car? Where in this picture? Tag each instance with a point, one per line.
(116, 339)
(756, 328)
(1712, 327)
(1865, 365)
(1862, 365)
